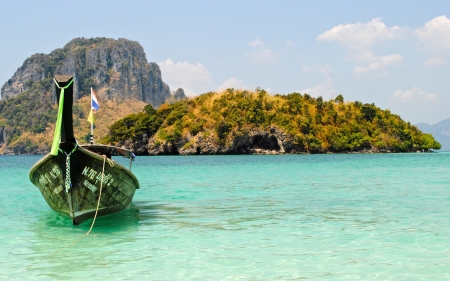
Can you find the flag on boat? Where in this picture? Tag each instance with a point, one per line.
(94, 101)
(94, 106)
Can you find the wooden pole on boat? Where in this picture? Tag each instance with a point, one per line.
(91, 140)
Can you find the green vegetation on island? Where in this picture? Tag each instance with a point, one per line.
(311, 125)
(28, 114)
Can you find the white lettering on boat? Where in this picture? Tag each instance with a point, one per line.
(57, 189)
(89, 185)
(45, 179)
(55, 172)
(85, 170)
(89, 172)
(97, 176)
(42, 180)
(107, 179)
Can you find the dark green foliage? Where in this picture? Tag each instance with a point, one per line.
(222, 129)
(295, 103)
(339, 99)
(149, 109)
(428, 142)
(149, 122)
(196, 126)
(313, 144)
(133, 126)
(29, 111)
(319, 104)
(369, 111)
(177, 111)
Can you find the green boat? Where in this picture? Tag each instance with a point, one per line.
(81, 181)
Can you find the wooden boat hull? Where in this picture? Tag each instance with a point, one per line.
(80, 202)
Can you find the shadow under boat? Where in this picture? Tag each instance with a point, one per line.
(138, 213)
(71, 176)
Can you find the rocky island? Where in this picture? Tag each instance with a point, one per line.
(254, 122)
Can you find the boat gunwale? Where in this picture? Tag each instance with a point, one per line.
(89, 153)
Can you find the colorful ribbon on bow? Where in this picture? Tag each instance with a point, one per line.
(57, 133)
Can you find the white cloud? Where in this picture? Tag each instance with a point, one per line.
(261, 53)
(290, 43)
(324, 89)
(377, 65)
(361, 35)
(308, 68)
(194, 78)
(324, 69)
(360, 38)
(362, 57)
(265, 55)
(232, 83)
(257, 43)
(435, 35)
(414, 94)
(434, 61)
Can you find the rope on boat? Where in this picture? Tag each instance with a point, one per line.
(68, 181)
(111, 163)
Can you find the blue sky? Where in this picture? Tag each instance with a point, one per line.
(395, 54)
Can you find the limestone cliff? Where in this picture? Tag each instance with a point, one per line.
(116, 69)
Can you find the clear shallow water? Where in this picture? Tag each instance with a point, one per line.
(282, 217)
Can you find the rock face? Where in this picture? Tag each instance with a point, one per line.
(179, 94)
(253, 141)
(30, 71)
(2, 139)
(116, 69)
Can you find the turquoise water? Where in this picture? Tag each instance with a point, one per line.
(280, 217)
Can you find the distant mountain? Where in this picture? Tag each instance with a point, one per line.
(440, 131)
